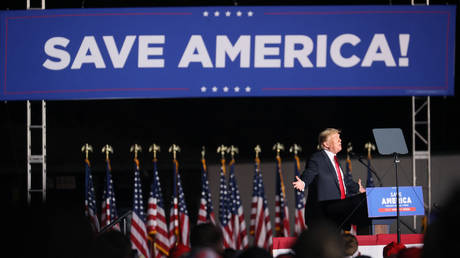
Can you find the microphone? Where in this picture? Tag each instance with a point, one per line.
(360, 159)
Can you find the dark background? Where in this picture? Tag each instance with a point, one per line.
(193, 123)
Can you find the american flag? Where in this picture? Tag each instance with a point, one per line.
(224, 209)
(156, 219)
(240, 235)
(109, 209)
(179, 223)
(260, 218)
(370, 179)
(90, 198)
(138, 232)
(205, 212)
(348, 168)
(281, 208)
(353, 228)
(299, 203)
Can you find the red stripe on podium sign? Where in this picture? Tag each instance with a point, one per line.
(394, 209)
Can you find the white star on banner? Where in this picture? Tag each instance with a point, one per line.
(228, 13)
(247, 89)
(250, 13)
(203, 89)
(214, 89)
(239, 13)
(225, 89)
(216, 13)
(205, 13)
(237, 89)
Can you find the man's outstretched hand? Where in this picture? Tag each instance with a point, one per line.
(299, 184)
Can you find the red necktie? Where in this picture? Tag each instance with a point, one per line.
(339, 176)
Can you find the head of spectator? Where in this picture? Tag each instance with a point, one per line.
(411, 252)
(351, 245)
(230, 253)
(255, 252)
(322, 240)
(392, 249)
(207, 235)
(206, 241)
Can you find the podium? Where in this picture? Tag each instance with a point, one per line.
(376, 208)
(351, 210)
(382, 205)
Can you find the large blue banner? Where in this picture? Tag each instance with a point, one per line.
(227, 52)
(381, 201)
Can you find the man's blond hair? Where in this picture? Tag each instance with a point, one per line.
(322, 137)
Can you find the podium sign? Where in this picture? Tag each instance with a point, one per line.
(381, 201)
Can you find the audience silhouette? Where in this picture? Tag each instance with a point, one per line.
(206, 241)
(321, 240)
(441, 238)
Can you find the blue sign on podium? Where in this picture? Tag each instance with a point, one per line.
(381, 201)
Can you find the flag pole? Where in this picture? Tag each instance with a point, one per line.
(369, 147)
(299, 197)
(136, 148)
(174, 149)
(154, 149)
(278, 147)
(258, 150)
(348, 161)
(88, 185)
(296, 149)
(87, 148)
(107, 149)
(232, 150)
(221, 150)
(203, 153)
(349, 149)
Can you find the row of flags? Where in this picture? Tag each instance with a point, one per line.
(150, 234)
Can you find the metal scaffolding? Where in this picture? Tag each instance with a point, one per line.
(36, 181)
(421, 144)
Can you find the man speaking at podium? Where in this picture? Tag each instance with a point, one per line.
(328, 188)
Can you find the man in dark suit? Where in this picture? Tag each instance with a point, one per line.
(326, 181)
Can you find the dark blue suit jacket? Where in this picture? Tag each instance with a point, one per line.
(321, 179)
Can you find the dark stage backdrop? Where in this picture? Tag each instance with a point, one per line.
(194, 123)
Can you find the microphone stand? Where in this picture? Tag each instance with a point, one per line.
(398, 229)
